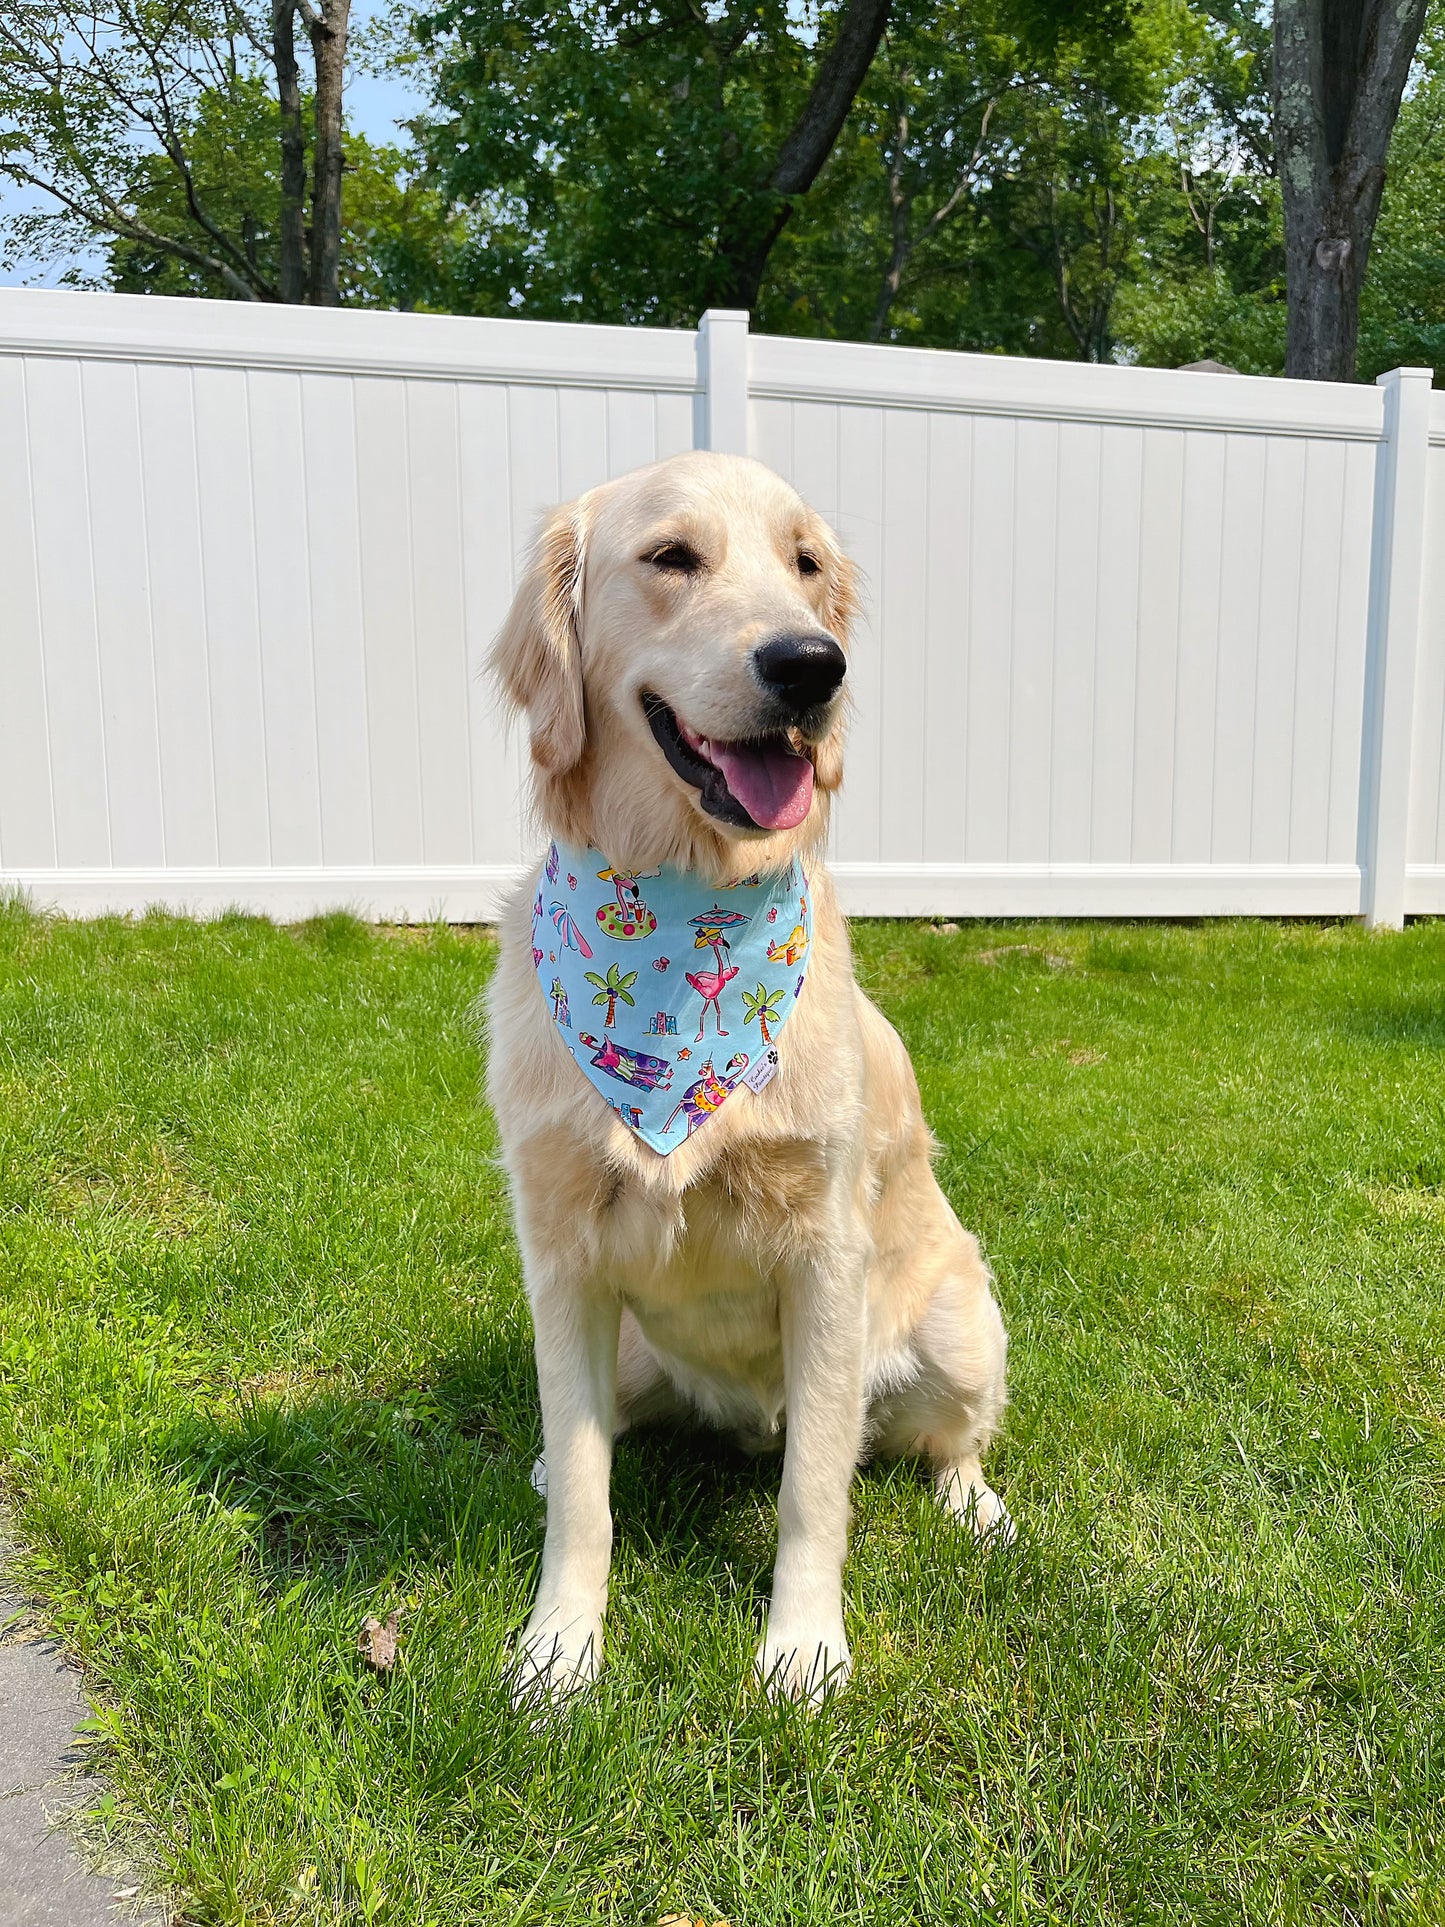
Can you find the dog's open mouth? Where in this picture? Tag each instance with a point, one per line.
(765, 784)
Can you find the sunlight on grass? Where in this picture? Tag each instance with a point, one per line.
(265, 1368)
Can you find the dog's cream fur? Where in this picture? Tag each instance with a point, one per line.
(794, 1264)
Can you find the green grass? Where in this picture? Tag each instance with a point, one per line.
(265, 1368)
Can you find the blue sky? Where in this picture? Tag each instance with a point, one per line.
(375, 106)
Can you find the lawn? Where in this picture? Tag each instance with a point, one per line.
(265, 1368)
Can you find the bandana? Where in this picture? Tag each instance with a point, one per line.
(669, 993)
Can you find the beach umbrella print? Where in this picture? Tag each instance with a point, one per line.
(712, 928)
(567, 930)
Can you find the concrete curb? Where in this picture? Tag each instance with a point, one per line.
(43, 1880)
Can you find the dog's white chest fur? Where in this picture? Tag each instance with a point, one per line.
(693, 1272)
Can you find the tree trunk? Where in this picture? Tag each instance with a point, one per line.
(291, 276)
(1340, 68)
(1322, 328)
(899, 205)
(744, 246)
(327, 30)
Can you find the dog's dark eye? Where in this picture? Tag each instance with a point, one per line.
(677, 558)
(808, 564)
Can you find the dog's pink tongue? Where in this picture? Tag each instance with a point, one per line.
(772, 782)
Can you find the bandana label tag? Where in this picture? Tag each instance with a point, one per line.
(763, 1072)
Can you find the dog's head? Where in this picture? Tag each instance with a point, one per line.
(678, 646)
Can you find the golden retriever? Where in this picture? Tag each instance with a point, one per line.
(791, 1272)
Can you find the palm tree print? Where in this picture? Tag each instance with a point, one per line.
(762, 1004)
(612, 990)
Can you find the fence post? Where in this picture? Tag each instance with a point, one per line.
(722, 352)
(1397, 558)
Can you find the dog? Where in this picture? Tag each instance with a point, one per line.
(791, 1271)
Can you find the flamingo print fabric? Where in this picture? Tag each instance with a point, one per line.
(669, 993)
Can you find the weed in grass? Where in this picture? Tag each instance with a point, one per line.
(265, 1372)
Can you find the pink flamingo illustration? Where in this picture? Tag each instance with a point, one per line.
(709, 985)
(712, 927)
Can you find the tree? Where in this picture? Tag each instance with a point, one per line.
(928, 116)
(397, 237)
(105, 105)
(1340, 68)
(992, 194)
(1209, 277)
(1068, 201)
(676, 139)
(612, 153)
(1402, 304)
(746, 239)
(762, 1004)
(612, 989)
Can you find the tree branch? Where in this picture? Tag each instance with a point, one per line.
(899, 204)
(810, 141)
(109, 218)
(904, 246)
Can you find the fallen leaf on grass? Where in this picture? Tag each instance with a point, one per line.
(377, 1642)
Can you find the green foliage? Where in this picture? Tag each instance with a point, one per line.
(156, 129)
(265, 1368)
(604, 146)
(231, 136)
(1210, 277)
(1016, 176)
(1402, 310)
(82, 95)
(1009, 172)
(1119, 204)
(397, 232)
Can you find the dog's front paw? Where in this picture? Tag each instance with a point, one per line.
(556, 1657)
(804, 1664)
(975, 1504)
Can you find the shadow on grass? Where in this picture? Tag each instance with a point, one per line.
(1415, 1019)
(350, 1489)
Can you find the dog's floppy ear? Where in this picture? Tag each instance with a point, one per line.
(537, 657)
(843, 606)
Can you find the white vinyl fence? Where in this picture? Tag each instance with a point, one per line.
(1137, 642)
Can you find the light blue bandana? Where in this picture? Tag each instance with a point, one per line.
(669, 993)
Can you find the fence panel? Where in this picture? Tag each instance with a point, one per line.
(257, 559)
(1134, 641)
(1114, 658)
(1425, 875)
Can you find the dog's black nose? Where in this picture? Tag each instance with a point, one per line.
(802, 671)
